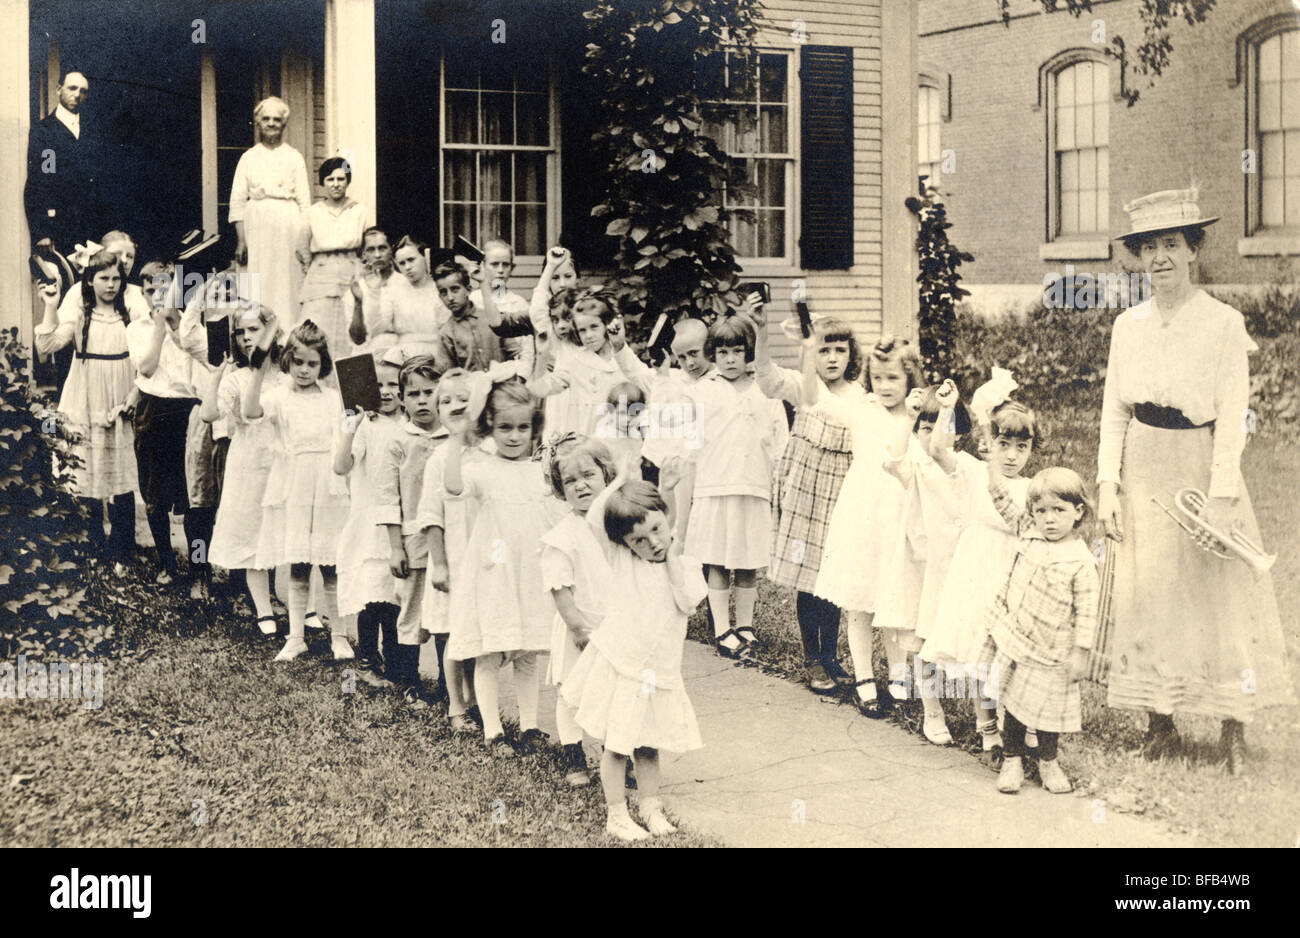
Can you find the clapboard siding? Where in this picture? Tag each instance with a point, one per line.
(856, 294)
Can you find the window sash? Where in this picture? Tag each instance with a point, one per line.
(760, 233)
(495, 200)
(1080, 144)
(1277, 130)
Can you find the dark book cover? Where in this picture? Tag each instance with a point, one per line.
(358, 382)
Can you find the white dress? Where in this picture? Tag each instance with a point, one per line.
(626, 687)
(979, 567)
(92, 401)
(924, 545)
(455, 514)
(501, 605)
(270, 194)
(326, 289)
(573, 557)
(742, 432)
(248, 463)
(409, 317)
(363, 549)
(306, 504)
(863, 531)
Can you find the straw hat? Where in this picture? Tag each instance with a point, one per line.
(1169, 210)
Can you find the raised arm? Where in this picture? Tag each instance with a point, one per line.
(453, 477)
(252, 404)
(210, 409)
(1017, 518)
(944, 434)
(54, 331)
(344, 440)
(144, 342)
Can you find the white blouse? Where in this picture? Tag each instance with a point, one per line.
(265, 173)
(1195, 362)
(335, 231)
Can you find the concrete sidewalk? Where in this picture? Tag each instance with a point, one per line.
(782, 767)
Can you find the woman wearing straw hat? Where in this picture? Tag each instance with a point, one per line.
(1193, 633)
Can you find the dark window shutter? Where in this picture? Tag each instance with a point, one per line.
(826, 157)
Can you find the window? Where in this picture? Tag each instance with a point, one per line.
(1278, 123)
(747, 111)
(498, 153)
(929, 117)
(1080, 148)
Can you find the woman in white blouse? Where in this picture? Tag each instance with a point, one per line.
(1193, 633)
(268, 198)
(410, 309)
(327, 248)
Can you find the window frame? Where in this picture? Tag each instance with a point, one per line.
(1273, 28)
(1049, 77)
(791, 158)
(926, 83)
(553, 193)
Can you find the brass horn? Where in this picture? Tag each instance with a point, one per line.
(1190, 502)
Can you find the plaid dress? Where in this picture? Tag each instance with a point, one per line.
(806, 482)
(1046, 607)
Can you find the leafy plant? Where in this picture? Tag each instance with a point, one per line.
(938, 261)
(1153, 52)
(42, 525)
(663, 187)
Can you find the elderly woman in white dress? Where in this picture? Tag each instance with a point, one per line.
(268, 198)
(328, 246)
(1193, 633)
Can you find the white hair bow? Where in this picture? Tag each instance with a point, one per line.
(991, 394)
(82, 254)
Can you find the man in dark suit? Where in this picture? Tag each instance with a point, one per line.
(62, 194)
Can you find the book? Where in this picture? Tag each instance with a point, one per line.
(358, 382)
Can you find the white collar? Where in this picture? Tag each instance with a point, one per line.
(69, 120)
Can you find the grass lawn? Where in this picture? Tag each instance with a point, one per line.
(202, 741)
(1194, 795)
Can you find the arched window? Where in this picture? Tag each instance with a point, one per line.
(1277, 129)
(1078, 110)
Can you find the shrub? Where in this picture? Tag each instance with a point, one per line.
(937, 262)
(1058, 356)
(42, 525)
(664, 176)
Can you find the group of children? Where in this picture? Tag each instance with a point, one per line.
(493, 505)
(964, 565)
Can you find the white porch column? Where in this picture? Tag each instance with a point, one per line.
(350, 92)
(898, 72)
(15, 122)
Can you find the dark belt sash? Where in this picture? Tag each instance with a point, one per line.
(1165, 418)
(95, 356)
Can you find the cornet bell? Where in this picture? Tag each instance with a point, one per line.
(1234, 545)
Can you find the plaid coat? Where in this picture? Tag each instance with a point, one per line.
(806, 481)
(1046, 607)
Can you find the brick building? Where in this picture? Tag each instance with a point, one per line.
(1037, 150)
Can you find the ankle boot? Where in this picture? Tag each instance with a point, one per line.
(1233, 742)
(1162, 737)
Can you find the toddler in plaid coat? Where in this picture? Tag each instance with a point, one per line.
(1042, 623)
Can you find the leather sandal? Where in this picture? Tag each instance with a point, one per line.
(740, 653)
(868, 707)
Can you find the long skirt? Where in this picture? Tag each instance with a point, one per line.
(805, 485)
(271, 229)
(1193, 633)
(323, 295)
